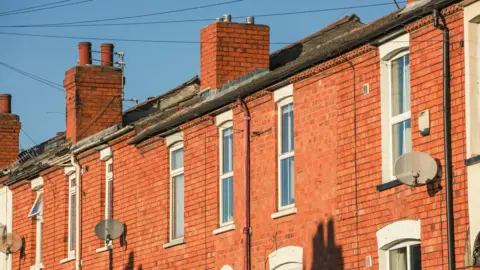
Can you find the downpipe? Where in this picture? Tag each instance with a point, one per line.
(246, 152)
(78, 201)
(447, 137)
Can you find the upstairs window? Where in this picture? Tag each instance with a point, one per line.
(36, 212)
(286, 186)
(395, 103)
(72, 215)
(109, 189)
(226, 174)
(176, 192)
(400, 106)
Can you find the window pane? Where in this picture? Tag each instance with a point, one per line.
(37, 206)
(398, 259)
(400, 85)
(177, 159)
(73, 182)
(178, 203)
(73, 212)
(287, 128)
(415, 257)
(401, 139)
(287, 188)
(227, 150)
(109, 201)
(227, 199)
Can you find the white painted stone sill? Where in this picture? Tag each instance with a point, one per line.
(67, 260)
(226, 228)
(103, 249)
(37, 267)
(176, 242)
(284, 212)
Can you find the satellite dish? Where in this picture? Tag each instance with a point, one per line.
(109, 229)
(415, 168)
(10, 243)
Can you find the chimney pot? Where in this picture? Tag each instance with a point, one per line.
(219, 20)
(5, 103)
(227, 18)
(106, 51)
(250, 20)
(85, 53)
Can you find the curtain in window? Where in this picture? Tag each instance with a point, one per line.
(287, 181)
(227, 199)
(287, 128)
(227, 150)
(398, 259)
(73, 213)
(177, 159)
(178, 209)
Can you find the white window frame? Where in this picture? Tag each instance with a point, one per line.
(6, 221)
(38, 229)
(393, 236)
(393, 120)
(408, 244)
(224, 126)
(108, 194)
(390, 51)
(471, 22)
(174, 173)
(281, 156)
(71, 191)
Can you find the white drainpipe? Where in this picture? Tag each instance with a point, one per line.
(78, 202)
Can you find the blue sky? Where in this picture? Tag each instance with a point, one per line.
(152, 68)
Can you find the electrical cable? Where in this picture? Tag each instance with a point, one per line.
(166, 41)
(140, 15)
(81, 23)
(45, 8)
(32, 7)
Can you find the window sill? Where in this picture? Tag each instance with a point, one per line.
(176, 242)
(389, 185)
(67, 260)
(472, 161)
(103, 249)
(223, 229)
(284, 212)
(37, 267)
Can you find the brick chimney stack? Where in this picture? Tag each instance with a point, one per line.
(94, 93)
(9, 132)
(229, 50)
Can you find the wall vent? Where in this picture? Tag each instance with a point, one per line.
(368, 261)
(366, 89)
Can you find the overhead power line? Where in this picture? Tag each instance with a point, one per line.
(45, 8)
(162, 41)
(33, 7)
(65, 24)
(34, 77)
(82, 23)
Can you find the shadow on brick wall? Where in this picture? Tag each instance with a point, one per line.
(326, 254)
(131, 262)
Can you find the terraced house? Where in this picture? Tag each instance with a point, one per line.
(280, 160)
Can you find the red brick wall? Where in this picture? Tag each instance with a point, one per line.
(9, 140)
(339, 207)
(94, 99)
(230, 50)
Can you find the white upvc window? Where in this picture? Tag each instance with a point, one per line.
(176, 192)
(286, 186)
(36, 212)
(399, 245)
(109, 189)
(406, 255)
(72, 212)
(226, 173)
(395, 101)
